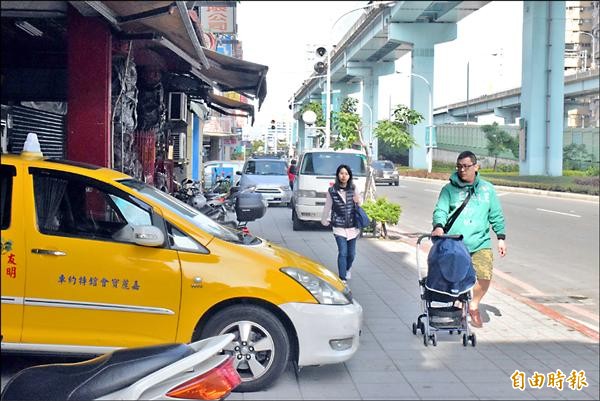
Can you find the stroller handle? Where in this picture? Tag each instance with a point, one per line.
(452, 236)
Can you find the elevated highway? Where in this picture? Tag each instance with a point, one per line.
(507, 104)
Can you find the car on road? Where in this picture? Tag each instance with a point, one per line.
(385, 172)
(269, 176)
(315, 174)
(95, 260)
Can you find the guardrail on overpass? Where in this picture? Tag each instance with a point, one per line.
(576, 85)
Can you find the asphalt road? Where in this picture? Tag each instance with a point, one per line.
(552, 245)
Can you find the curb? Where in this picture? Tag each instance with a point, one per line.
(530, 191)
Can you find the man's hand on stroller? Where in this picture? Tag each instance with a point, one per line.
(501, 248)
(437, 232)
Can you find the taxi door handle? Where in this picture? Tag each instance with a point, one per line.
(48, 252)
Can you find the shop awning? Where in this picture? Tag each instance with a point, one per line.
(173, 26)
(222, 103)
(232, 74)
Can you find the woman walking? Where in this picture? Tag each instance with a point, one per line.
(338, 211)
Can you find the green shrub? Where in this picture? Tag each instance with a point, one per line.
(382, 211)
(592, 171)
(508, 168)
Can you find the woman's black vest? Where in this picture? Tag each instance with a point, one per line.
(342, 214)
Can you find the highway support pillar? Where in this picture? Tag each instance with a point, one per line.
(542, 87)
(423, 36)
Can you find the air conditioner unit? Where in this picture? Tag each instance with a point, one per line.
(177, 107)
(179, 147)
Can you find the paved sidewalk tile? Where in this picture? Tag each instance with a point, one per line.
(392, 363)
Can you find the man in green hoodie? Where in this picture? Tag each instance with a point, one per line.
(482, 210)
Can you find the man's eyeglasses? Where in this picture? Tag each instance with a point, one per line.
(464, 166)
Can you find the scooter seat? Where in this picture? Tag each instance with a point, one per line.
(93, 378)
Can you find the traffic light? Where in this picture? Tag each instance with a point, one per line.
(272, 124)
(320, 65)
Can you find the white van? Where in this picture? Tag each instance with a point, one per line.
(315, 174)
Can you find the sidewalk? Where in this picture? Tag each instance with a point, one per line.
(392, 363)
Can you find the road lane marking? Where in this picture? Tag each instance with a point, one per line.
(554, 211)
(502, 193)
(432, 190)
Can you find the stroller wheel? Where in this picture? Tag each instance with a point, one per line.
(425, 340)
(473, 340)
(422, 327)
(414, 329)
(450, 332)
(465, 340)
(434, 339)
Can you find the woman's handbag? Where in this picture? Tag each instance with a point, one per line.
(360, 217)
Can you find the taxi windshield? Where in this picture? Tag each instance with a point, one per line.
(190, 214)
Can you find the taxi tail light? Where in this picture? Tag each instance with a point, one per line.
(212, 385)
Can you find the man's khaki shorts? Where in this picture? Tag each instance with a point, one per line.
(483, 262)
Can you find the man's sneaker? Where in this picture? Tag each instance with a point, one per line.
(348, 275)
(344, 281)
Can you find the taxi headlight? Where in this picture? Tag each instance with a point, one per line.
(323, 292)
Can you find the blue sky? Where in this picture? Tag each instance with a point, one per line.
(276, 34)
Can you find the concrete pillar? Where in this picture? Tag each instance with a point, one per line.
(542, 86)
(89, 44)
(196, 148)
(508, 114)
(379, 69)
(423, 36)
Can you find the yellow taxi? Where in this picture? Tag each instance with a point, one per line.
(94, 260)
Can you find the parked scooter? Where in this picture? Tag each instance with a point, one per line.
(230, 206)
(190, 371)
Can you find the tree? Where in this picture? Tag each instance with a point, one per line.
(348, 125)
(395, 132)
(257, 147)
(573, 155)
(499, 141)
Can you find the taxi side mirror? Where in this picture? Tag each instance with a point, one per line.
(148, 236)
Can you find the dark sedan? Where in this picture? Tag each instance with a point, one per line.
(384, 171)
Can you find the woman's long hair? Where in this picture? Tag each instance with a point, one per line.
(350, 184)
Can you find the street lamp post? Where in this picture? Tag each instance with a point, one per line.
(593, 47)
(501, 54)
(430, 119)
(326, 143)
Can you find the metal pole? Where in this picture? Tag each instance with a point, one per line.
(329, 51)
(292, 123)
(593, 64)
(467, 92)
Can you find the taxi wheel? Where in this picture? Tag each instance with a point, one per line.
(261, 346)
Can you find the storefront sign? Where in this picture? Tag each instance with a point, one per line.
(218, 19)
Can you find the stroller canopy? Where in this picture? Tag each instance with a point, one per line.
(449, 267)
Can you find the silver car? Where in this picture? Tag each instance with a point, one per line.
(270, 178)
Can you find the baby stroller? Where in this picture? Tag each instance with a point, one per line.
(449, 280)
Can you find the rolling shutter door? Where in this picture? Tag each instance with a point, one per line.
(49, 127)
